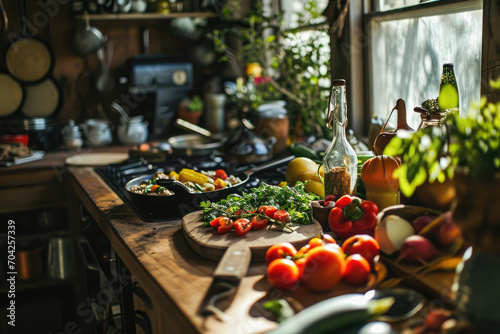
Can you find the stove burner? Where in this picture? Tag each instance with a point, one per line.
(117, 176)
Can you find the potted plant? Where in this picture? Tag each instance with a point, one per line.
(191, 109)
(292, 64)
(465, 150)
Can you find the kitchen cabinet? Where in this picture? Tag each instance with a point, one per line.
(34, 203)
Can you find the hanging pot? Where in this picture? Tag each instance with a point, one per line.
(87, 39)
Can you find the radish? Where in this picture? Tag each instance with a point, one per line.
(417, 248)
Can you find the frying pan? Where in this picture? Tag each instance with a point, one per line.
(41, 99)
(184, 202)
(29, 60)
(11, 95)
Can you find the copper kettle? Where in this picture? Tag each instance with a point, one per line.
(384, 137)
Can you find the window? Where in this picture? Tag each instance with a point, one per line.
(409, 43)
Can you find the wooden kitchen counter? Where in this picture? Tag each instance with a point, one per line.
(175, 278)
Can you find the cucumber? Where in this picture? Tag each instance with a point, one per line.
(334, 314)
(300, 150)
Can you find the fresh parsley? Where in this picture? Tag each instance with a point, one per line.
(295, 200)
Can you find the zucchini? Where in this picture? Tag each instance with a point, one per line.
(300, 150)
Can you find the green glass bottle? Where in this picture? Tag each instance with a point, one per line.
(448, 99)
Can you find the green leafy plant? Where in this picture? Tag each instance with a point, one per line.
(195, 103)
(295, 64)
(470, 143)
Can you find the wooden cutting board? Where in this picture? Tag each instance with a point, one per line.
(210, 244)
(96, 159)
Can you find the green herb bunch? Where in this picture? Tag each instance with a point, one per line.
(471, 143)
(294, 200)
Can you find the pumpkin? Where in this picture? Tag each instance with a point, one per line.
(377, 174)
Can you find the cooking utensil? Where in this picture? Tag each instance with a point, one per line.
(95, 159)
(87, 39)
(406, 304)
(5, 19)
(104, 81)
(29, 262)
(193, 145)
(11, 95)
(235, 252)
(60, 260)
(42, 99)
(183, 201)
(28, 59)
(185, 125)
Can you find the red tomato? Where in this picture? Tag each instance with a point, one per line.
(324, 267)
(357, 269)
(328, 239)
(268, 210)
(302, 252)
(215, 222)
(280, 250)
(221, 174)
(225, 228)
(283, 274)
(362, 244)
(225, 225)
(259, 222)
(282, 216)
(300, 263)
(242, 226)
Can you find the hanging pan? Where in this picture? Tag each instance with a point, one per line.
(41, 99)
(28, 59)
(11, 95)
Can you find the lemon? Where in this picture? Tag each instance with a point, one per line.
(316, 187)
(305, 170)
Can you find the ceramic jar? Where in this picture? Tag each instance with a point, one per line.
(72, 136)
(134, 132)
(97, 131)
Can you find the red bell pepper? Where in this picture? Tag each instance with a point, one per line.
(351, 216)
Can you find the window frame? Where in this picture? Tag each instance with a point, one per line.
(358, 37)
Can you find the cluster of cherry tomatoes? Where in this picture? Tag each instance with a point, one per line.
(250, 220)
(322, 263)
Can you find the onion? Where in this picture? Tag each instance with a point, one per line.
(391, 232)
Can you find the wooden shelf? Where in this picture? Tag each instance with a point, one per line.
(147, 16)
(36, 283)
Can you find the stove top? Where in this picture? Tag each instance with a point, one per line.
(158, 208)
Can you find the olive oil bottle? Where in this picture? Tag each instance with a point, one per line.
(340, 160)
(448, 99)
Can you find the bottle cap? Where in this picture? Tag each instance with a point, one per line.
(338, 82)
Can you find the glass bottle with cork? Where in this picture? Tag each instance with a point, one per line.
(340, 160)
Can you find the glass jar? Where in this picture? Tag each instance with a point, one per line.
(273, 121)
(340, 161)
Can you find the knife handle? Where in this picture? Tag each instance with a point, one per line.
(234, 263)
